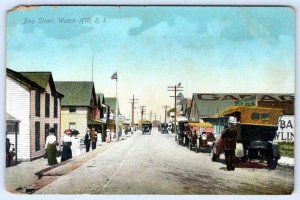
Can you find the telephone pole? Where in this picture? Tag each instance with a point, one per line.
(165, 107)
(175, 89)
(142, 113)
(133, 100)
(151, 116)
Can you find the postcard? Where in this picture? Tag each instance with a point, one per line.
(150, 100)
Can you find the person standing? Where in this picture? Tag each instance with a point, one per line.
(93, 136)
(99, 139)
(66, 151)
(50, 147)
(75, 147)
(229, 136)
(87, 140)
(108, 136)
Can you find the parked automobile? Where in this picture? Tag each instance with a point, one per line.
(200, 136)
(164, 128)
(256, 130)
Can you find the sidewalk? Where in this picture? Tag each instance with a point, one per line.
(29, 176)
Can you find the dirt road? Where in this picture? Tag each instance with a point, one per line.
(156, 164)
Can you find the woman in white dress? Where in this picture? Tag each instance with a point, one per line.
(75, 144)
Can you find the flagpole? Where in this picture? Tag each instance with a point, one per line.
(117, 109)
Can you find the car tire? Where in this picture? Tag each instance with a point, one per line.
(272, 163)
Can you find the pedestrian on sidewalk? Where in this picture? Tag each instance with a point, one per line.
(93, 136)
(108, 136)
(50, 147)
(87, 140)
(66, 151)
(99, 138)
(75, 147)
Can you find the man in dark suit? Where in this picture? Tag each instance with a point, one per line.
(229, 143)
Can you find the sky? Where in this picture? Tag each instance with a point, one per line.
(206, 49)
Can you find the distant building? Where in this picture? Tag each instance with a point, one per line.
(111, 103)
(32, 98)
(79, 106)
(209, 105)
(102, 112)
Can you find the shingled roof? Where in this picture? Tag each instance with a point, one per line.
(77, 93)
(111, 102)
(100, 96)
(41, 78)
(22, 79)
(38, 80)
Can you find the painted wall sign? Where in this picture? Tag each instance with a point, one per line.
(236, 97)
(286, 128)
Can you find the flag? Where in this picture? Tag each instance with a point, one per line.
(114, 76)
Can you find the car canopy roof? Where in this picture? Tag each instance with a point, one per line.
(254, 115)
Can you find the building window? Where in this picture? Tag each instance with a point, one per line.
(37, 136)
(47, 127)
(55, 107)
(72, 109)
(47, 105)
(37, 103)
(72, 125)
(55, 129)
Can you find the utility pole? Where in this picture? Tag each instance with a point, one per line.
(133, 100)
(165, 107)
(151, 116)
(142, 113)
(175, 89)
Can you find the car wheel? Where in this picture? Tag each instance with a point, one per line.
(272, 163)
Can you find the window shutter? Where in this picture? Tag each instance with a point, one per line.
(55, 107)
(47, 105)
(37, 136)
(37, 103)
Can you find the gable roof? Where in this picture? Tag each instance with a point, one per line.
(76, 93)
(111, 102)
(36, 80)
(22, 79)
(42, 79)
(100, 98)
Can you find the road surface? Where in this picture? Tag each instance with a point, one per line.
(156, 164)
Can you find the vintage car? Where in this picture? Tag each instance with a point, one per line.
(164, 128)
(200, 135)
(257, 128)
(146, 127)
